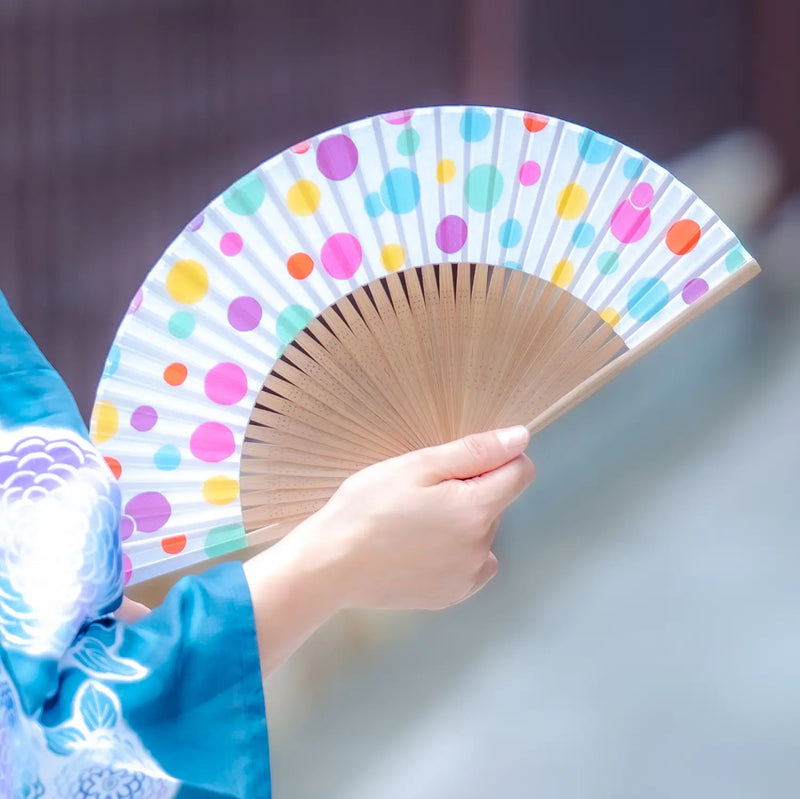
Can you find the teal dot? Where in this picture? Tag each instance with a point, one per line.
(595, 148)
(373, 205)
(408, 142)
(181, 324)
(647, 297)
(512, 265)
(112, 361)
(224, 539)
(633, 167)
(735, 259)
(583, 235)
(475, 124)
(245, 196)
(167, 458)
(510, 233)
(400, 190)
(607, 262)
(483, 187)
(291, 321)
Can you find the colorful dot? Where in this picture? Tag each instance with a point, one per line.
(136, 302)
(735, 259)
(220, 490)
(175, 374)
(475, 124)
(392, 257)
(571, 201)
(408, 142)
(642, 195)
(373, 205)
(144, 418)
(633, 168)
(126, 527)
(610, 316)
(583, 235)
(646, 298)
(607, 262)
(397, 117)
(114, 465)
(225, 384)
(483, 187)
(212, 442)
(529, 173)
(246, 195)
(563, 272)
(244, 314)
(174, 544)
(127, 568)
(683, 236)
(230, 244)
(445, 170)
(291, 321)
(510, 233)
(512, 265)
(187, 282)
(337, 157)
(534, 122)
(301, 147)
(105, 421)
(694, 290)
(341, 255)
(150, 510)
(112, 361)
(400, 190)
(303, 198)
(300, 265)
(196, 223)
(224, 539)
(594, 147)
(181, 324)
(167, 458)
(451, 233)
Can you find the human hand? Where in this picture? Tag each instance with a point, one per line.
(130, 611)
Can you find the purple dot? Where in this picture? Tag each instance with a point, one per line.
(196, 223)
(231, 244)
(529, 173)
(337, 157)
(135, 302)
(694, 290)
(150, 510)
(451, 234)
(144, 418)
(244, 313)
(125, 527)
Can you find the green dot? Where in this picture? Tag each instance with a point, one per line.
(735, 259)
(607, 262)
(408, 142)
(291, 321)
(181, 324)
(245, 196)
(224, 539)
(483, 187)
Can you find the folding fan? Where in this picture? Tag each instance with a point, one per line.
(391, 284)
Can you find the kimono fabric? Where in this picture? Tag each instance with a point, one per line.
(91, 707)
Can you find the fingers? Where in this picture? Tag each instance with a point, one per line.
(130, 611)
(502, 486)
(473, 455)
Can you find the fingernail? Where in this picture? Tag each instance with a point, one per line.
(513, 437)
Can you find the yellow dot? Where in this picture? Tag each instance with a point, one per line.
(303, 198)
(563, 272)
(220, 490)
(571, 202)
(445, 170)
(392, 257)
(105, 421)
(187, 282)
(610, 315)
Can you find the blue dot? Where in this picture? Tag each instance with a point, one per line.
(512, 265)
(647, 297)
(181, 324)
(373, 205)
(633, 167)
(607, 262)
(112, 361)
(400, 190)
(595, 148)
(510, 233)
(734, 259)
(475, 124)
(408, 142)
(583, 235)
(167, 458)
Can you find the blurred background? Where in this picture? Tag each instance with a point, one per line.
(643, 635)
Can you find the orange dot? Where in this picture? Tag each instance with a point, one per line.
(174, 544)
(300, 265)
(301, 147)
(535, 122)
(683, 236)
(114, 465)
(175, 374)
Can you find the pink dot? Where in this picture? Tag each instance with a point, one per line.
(451, 234)
(135, 302)
(641, 195)
(529, 173)
(125, 527)
(301, 147)
(397, 117)
(196, 223)
(144, 418)
(694, 290)
(226, 384)
(212, 442)
(244, 313)
(127, 568)
(150, 510)
(337, 157)
(341, 255)
(231, 244)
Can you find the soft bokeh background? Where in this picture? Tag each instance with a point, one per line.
(643, 637)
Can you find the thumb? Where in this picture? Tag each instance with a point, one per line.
(475, 454)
